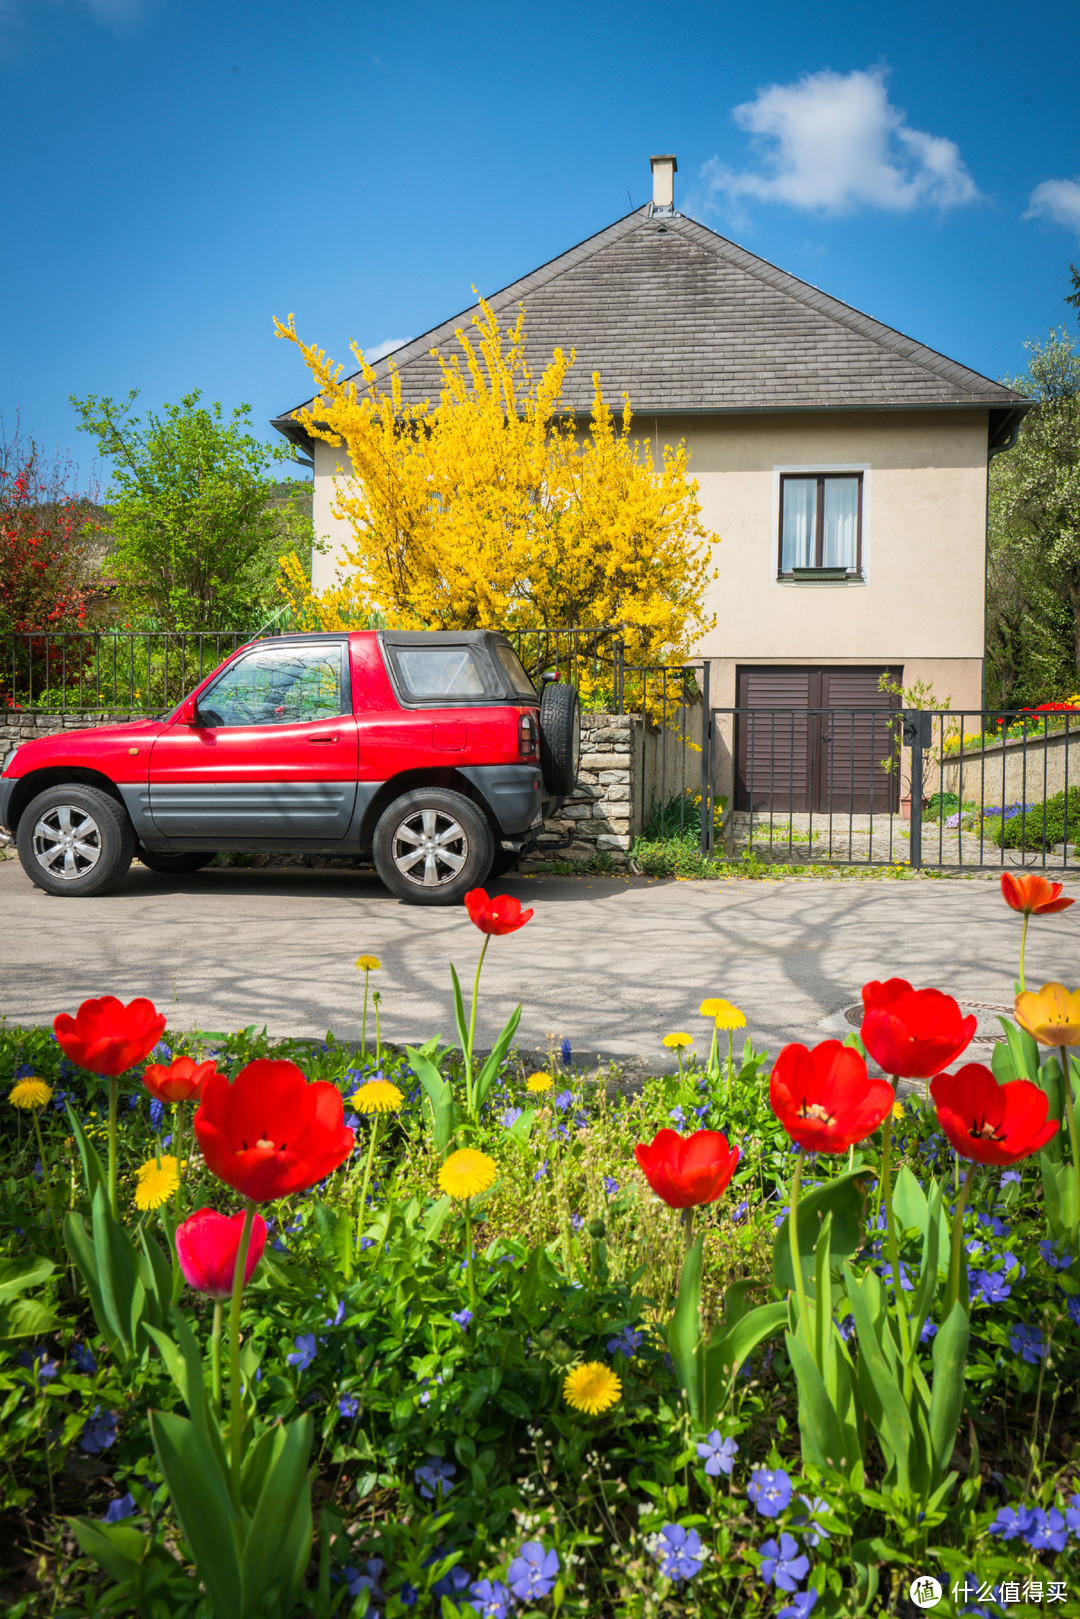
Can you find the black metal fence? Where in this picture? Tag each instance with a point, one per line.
(135, 671)
(970, 789)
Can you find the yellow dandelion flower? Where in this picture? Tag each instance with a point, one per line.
(713, 1008)
(377, 1096)
(591, 1388)
(368, 964)
(156, 1183)
(729, 1017)
(676, 1042)
(538, 1083)
(467, 1172)
(897, 1110)
(30, 1093)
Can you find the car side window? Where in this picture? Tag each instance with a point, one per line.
(282, 685)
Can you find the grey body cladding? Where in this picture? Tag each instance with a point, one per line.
(307, 815)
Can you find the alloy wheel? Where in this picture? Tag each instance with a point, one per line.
(67, 842)
(429, 848)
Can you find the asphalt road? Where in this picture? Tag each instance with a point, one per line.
(611, 963)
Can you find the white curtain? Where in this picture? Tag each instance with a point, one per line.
(841, 522)
(797, 546)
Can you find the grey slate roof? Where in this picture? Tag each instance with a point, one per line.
(685, 321)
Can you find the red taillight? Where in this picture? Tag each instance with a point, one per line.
(528, 735)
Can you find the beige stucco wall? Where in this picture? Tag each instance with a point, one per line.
(920, 602)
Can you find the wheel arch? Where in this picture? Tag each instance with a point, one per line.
(409, 781)
(38, 781)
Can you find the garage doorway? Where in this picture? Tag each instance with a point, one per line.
(815, 739)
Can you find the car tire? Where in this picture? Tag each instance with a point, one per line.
(431, 846)
(75, 840)
(505, 861)
(175, 865)
(560, 738)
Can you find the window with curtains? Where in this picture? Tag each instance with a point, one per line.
(821, 525)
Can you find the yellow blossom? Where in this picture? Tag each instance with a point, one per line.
(467, 1172)
(156, 1182)
(712, 1008)
(591, 1388)
(538, 1083)
(729, 1017)
(368, 964)
(30, 1093)
(676, 1042)
(377, 1096)
(1052, 1015)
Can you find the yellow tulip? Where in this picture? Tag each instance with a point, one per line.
(1051, 1014)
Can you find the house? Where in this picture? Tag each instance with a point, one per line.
(843, 464)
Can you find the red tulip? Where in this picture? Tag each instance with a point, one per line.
(824, 1097)
(912, 1033)
(177, 1081)
(270, 1133)
(499, 915)
(207, 1244)
(1033, 895)
(687, 1172)
(108, 1037)
(992, 1123)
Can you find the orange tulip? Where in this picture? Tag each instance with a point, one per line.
(1033, 895)
(1051, 1014)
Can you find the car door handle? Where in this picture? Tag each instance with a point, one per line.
(333, 738)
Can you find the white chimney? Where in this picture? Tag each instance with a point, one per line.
(663, 184)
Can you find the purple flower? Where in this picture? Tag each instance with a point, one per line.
(628, 1342)
(1012, 1522)
(1047, 1531)
(98, 1433)
(454, 1580)
(783, 1565)
(510, 1117)
(1073, 1307)
(565, 1050)
(739, 1213)
(492, 1599)
(562, 1100)
(436, 1474)
(700, 1112)
(122, 1507)
(1010, 1262)
(927, 1331)
(461, 1318)
(846, 1328)
(812, 1532)
(1028, 1342)
(338, 1316)
(349, 1406)
(769, 1490)
(677, 1114)
(83, 1358)
(679, 1552)
(1010, 1175)
(990, 1286)
(305, 1351)
(1055, 1259)
(800, 1606)
(355, 1582)
(1072, 1514)
(611, 1185)
(43, 1365)
(998, 1228)
(542, 1171)
(533, 1572)
(156, 1110)
(718, 1454)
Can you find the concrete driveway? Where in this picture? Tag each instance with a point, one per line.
(611, 963)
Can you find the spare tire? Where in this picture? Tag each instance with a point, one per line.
(560, 738)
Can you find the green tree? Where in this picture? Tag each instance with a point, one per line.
(198, 518)
(1033, 602)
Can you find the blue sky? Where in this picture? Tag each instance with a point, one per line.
(178, 172)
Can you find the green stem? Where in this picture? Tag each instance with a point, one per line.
(1070, 1111)
(363, 1025)
(236, 1415)
(730, 1064)
(215, 1357)
(678, 1054)
(894, 1252)
(712, 1054)
(178, 1154)
(472, 1030)
(378, 1032)
(793, 1235)
(469, 1254)
(362, 1215)
(46, 1177)
(112, 1145)
(688, 1229)
(1023, 942)
(953, 1292)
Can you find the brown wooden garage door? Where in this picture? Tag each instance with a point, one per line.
(814, 738)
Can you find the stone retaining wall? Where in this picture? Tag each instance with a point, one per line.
(600, 816)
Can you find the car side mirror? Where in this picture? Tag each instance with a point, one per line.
(189, 712)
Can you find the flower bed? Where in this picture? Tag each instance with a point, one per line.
(412, 1332)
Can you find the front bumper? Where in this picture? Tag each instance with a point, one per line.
(514, 793)
(8, 785)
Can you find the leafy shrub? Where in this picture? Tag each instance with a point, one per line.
(1042, 826)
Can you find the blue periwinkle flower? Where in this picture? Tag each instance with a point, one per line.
(83, 1358)
(800, 1606)
(1012, 1523)
(769, 1490)
(627, 1343)
(99, 1432)
(491, 1599)
(349, 1406)
(679, 1552)
(305, 1351)
(533, 1572)
(461, 1318)
(1027, 1342)
(717, 1453)
(435, 1474)
(122, 1507)
(784, 1565)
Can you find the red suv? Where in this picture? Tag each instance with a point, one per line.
(429, 753)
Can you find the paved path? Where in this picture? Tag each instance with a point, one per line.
(612, 963)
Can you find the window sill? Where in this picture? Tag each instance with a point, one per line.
(820, 576)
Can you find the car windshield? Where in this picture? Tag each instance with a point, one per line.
(440, 671)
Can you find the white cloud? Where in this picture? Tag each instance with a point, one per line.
(1058, 200)
(835, 142)
(387, 346)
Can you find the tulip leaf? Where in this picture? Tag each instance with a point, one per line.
(947, 1398)
(490, 1071)
(122, 1550)
(16, 1275)
(93, 1169)
(1023, 1050)
(277, 1546)
(728, 1350)
(199, 1491)
(844, 1198)
(459, 1011)
(81, 1249)
(822, 1437)
(685, 1332)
